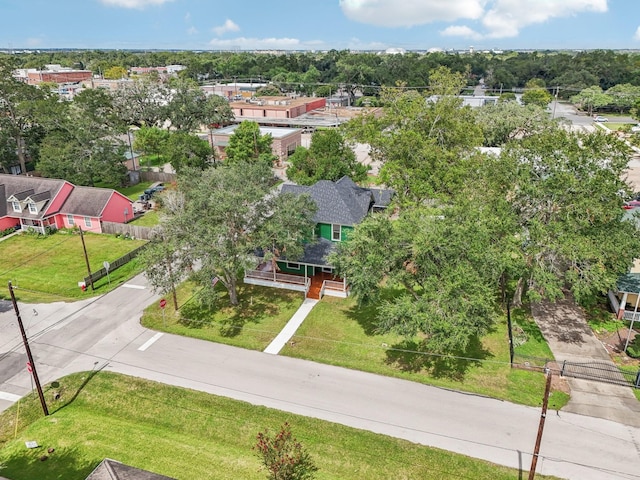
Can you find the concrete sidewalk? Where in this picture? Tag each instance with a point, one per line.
(570, 338)
(291, 327)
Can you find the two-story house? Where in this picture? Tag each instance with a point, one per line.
(341, 206)
(41, 203)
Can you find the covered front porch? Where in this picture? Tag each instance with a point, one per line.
(37, 225)
(314, 280)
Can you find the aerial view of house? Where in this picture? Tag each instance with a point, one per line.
(341, 206)
(41, 203)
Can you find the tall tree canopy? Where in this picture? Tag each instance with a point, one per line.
(226, 215)
(247, 144)
(328, 158)
(566, 191)
(422, 143)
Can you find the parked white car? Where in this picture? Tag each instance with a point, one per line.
(600, 119)
(635, 128)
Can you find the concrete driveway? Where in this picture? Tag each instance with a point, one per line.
(570, 338)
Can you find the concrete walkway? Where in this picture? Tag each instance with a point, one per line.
(570, 338)
(291, 327)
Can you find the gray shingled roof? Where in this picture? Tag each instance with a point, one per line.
(87, 201)
(21, 187)
(112, 470)
(316, 253)
(342, 202)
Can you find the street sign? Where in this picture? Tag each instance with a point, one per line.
(29, 367)
(163, 303)
(106, 265)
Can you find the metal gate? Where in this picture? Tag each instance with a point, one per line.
(600, 371)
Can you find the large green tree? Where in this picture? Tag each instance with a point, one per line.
(508, 120)
(445, 263)
(423, 144)
(184, 150)
(227, 214)
(247, 144)
(566, 191)
(591, 98)
(20, 128)
(328, 158)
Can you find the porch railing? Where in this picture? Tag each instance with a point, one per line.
(281, 280)
(331, 287)
(275, 277)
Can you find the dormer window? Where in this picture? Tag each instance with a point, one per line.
(16, 206)
(33, 208)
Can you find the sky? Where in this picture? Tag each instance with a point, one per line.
(320, 24)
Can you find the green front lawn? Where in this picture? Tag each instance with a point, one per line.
(48, 268)
(192, 435)
(338, 332)
(262, 313)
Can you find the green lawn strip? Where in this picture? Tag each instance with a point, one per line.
(253, 324)
(338, 332)
(616, 125)
(186, 435)
(48, 268)
(149, 219)
(134, 192)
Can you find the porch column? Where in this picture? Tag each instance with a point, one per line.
(623, 303)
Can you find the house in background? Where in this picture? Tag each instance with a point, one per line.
(41, 203)
(341, 206)
(285, 140)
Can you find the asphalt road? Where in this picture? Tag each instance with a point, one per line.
(104, 333)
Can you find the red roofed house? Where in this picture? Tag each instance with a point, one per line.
(38, 203)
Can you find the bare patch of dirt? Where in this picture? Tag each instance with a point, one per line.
(614, 343)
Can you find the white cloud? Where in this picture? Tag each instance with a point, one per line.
(243, 43)
(460, 31)
(187, 17)
(140, 4)
(228, 26)
(507, 17)
(391, 13)
(192, 31)
(637, 34)
(500, 18)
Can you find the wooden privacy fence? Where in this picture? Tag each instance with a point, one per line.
(135, 231)
(147, 176)
(95, 276)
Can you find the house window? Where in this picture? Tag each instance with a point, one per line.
(32, 208)
(87, 221)
(70, 220)
(293, 266)
(327, 269)
(335, 232)
(16, 206)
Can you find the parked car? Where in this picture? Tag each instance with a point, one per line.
(635, 128)
(600, 119)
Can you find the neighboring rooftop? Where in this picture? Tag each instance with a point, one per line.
(113, 470)
(275, 132)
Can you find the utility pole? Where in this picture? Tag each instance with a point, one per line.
(86, 258)
(555, 102)
(543, 416)
(29, 356)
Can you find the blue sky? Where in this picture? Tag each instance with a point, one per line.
(320, 24)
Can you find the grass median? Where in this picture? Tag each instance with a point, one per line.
(192, 435)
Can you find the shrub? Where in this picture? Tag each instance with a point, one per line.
(633, 350)
(284, 457)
